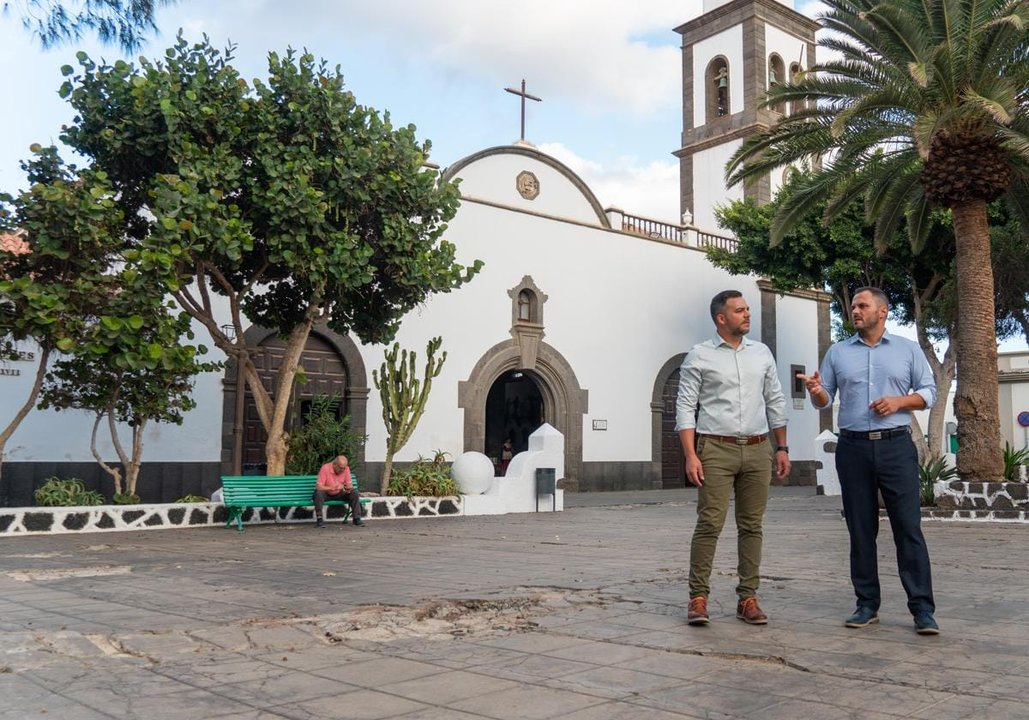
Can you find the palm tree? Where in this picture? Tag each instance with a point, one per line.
(925, 103)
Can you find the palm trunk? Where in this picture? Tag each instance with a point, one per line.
(976, 403)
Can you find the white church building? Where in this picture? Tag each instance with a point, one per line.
(580, 316)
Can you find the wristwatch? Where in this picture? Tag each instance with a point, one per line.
(783, 448)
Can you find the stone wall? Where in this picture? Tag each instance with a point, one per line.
(964, 500)
(115, 518)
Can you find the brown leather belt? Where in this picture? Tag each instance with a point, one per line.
(733, 440)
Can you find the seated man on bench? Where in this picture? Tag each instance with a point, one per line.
(334, 481)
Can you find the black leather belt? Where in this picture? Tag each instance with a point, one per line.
(876, 434)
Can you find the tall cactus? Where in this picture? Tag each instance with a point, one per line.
(404, 396)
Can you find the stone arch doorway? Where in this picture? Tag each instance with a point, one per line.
(514, 410)
(666, 451)
(332, 366)
(563, 402)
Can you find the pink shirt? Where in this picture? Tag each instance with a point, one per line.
(332, 482)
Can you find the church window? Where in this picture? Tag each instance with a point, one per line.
(776, 76)
(525, 303)
(716, 89)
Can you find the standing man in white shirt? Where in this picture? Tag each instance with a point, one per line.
(729, 399)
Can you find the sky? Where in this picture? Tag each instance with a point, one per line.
(608, 73)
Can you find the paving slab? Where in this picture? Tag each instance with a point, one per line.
(576, 615)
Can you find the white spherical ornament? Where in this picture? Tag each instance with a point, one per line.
(473, 473)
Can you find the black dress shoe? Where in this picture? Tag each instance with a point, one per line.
(925, 624)
(359, 522)
(862, 617)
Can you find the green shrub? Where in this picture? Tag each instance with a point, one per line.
(1014, 459)
(323, 436)
(193, 499)
(929, 474)
(56, 492)
(426, 478)
(126, 499)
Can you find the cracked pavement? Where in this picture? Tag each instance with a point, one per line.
(576, 615)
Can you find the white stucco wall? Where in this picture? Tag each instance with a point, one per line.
(729, 44)
(1014, 399)
(50, 436)
(709, 184)
(619, 307)
(493, 177)
(796, 332)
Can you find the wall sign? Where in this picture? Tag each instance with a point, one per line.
(1023, 418)
(600, 424)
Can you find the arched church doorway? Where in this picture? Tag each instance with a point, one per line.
(562, 402)
(331, 366)
(667, 451)
(673, 470)
(514, 410)
(324, 374)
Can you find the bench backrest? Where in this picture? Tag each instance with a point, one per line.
(253, 490)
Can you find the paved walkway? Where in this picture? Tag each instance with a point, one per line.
(576, 616)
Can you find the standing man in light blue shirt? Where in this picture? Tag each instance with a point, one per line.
(729, 398)
(881, 379)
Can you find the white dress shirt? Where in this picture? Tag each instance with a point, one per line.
(737, 390)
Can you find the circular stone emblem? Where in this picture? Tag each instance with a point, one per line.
(528, 185)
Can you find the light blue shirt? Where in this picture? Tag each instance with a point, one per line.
(864, 373)
(737, 390)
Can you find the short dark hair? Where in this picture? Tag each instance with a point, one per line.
(877, 293)
(718, 301)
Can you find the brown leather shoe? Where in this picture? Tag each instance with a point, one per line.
(697, 613)
(750, 612)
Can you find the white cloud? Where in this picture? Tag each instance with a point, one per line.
(650, 189)
(595, 53)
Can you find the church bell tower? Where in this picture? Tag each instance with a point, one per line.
(731, 55)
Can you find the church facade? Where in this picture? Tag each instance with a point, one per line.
(580, 317)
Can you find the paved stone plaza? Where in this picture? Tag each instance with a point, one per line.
(578, 615)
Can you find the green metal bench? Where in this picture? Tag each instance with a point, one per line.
(240, 492)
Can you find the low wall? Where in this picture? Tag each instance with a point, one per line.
(964, 500)
(120, 518)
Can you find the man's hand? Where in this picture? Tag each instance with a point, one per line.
(813, 383)
(782, 465)
(694, 469)
(888, 405)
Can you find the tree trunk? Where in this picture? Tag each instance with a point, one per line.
(277, 446)
(976, 403)
(5, 434)
(132, 470)
(114, 472)
(938, 412)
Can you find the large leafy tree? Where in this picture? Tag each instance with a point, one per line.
(125, 22)
(941, 90)
(286, 198)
